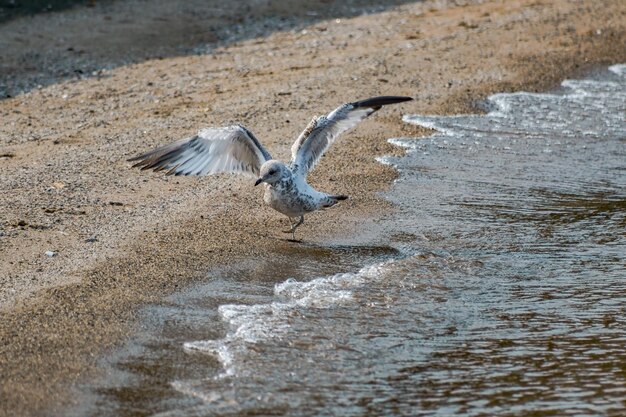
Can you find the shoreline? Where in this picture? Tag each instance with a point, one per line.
(155, 235)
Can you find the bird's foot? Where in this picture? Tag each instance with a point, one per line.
(292, 231)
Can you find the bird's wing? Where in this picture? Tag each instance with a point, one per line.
(211, 151)
(323, 131)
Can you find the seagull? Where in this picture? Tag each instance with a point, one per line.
(234, 149)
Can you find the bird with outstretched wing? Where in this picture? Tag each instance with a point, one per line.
(235, 149)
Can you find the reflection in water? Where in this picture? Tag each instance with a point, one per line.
(510, 300)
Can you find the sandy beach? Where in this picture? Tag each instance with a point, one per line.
(123, 238)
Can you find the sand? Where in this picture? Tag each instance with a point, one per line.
(123, 238)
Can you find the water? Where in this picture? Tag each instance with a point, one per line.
(499, 289)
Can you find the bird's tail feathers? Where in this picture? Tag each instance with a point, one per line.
(331, 200)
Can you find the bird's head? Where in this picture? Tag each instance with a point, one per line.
(271, 172)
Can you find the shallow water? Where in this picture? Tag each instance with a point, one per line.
(500, 289)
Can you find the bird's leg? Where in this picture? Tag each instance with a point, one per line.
(291, 226)
(294, 226)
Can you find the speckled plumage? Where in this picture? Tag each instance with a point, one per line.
(235, 149)
(294, 197)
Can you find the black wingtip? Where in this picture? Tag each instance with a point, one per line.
(378, 102)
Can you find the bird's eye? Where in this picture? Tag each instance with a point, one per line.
(272, 172)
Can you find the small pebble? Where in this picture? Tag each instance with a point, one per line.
(51, 253)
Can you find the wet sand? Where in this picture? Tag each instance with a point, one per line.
(126, 238)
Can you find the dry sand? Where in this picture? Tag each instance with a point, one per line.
(126, 238)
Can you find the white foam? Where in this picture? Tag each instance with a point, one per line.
(251, 324)
(385, 160)
(619, 69)
(579, 111)
(592, 87)
(405, 143)
(430, 122)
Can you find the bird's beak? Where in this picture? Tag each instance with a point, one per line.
(259, 181)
